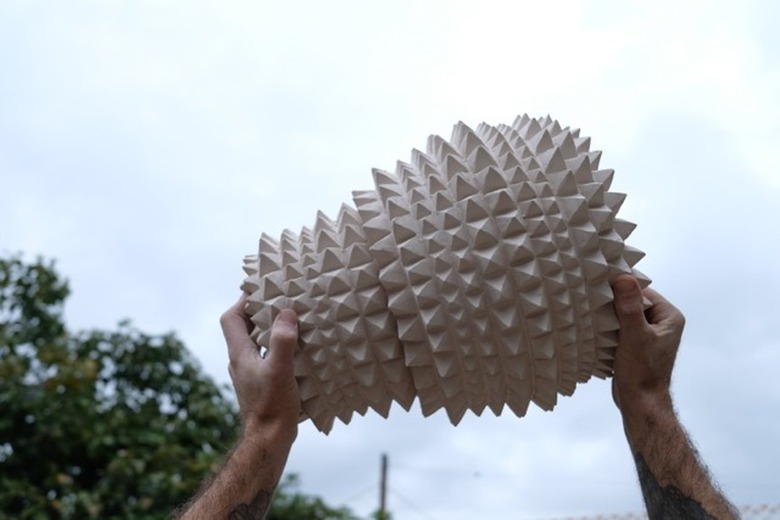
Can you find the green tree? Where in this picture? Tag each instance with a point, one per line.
(97, 424)
(290, 504)
(104, 424)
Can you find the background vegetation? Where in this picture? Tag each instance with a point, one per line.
(106, 424)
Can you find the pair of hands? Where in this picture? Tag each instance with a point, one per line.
(674, 482)
(268, 393)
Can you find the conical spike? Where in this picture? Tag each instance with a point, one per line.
(481, 159)
(463, 188)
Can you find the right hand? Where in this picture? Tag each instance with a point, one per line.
(647, 344)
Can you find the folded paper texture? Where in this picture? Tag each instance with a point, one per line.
(476, 275)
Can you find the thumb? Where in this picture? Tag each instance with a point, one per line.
(629, 303)
(284, 338)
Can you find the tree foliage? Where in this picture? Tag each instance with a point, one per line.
(290, 504)
(97, 424)
(105, 424)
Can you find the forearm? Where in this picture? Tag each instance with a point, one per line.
(675, 484)
(243, 488)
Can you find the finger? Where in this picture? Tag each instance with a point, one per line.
(628, 303)
(284, 339)
(655, 297)
(235, 328)
(662, 309)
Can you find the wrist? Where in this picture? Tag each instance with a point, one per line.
(644, 412)
(275, 433)
(634, 399)
(266, 446)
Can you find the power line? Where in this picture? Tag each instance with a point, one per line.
(358, 494)
(411, 504)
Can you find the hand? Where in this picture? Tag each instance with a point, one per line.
(648, 343)
(269, 402)
(267, 393)
(675, 483)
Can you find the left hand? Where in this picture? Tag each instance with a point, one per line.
(266, 389)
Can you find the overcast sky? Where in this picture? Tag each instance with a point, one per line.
(146, 145)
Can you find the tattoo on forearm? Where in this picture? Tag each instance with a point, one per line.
(256, 510)
(667, 503)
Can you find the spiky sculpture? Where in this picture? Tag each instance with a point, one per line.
(476, 275)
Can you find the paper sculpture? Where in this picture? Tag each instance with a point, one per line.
(477, 275)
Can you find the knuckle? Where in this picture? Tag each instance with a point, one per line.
(680, 319)
(285, 335)
(232, 365)
(224, 319)
(629, 308)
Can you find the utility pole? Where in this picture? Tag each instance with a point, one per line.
(382, 486)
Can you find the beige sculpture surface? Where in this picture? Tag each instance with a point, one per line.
(475, 276)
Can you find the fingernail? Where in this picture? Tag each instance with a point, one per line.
(288, 317)
(624, 287)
